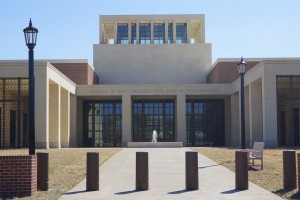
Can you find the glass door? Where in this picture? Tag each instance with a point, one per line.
(102, 123)
(150, 115)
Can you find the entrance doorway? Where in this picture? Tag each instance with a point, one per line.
(205, 122)
(102, 123)
(150, 115)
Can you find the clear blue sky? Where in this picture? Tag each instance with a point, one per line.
(69, 28)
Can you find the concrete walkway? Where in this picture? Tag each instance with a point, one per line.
(166, 179)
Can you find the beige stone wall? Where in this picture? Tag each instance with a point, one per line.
(152, 64)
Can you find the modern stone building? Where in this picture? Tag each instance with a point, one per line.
(151, 72)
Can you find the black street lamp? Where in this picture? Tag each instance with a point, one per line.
(241, 69)
(30, 34)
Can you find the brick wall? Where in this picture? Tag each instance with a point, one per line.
(18, 175)
(226, 72)
(79, 73)
(92, 77)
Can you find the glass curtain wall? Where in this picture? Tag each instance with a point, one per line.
(122, 33)
(102, 123)
(145, 33)
(133, 33)
(150, 115)
(13, 113)
(181, 33)
(288, 105)
(159, 33)
(205, 122)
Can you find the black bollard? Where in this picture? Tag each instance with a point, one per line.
(241, 170)
(289, 170)
(191, 170)
(92, 171)
(142, 171)
(42, 171)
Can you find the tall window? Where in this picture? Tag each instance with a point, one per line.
(170, 33)
(122, 34)
(145, 33)
(133, 33)
(181, 33)
(150, 115)
(102, 123)
(288, 106)
(159, 33)
(205, 122)
(13, 102)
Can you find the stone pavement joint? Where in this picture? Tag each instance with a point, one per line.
(166, 179)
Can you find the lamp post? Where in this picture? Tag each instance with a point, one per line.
(30, 34)
(241, 69)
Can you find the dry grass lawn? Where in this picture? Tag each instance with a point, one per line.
(270, 178)
(67, 167)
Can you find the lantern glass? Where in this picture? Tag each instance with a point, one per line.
(242, 66)
(30, 34)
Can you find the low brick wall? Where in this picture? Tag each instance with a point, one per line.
(18, 175)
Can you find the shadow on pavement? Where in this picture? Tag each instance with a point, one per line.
(214, 165)
(179, 191)
(230, 191)
(127, 192)
(76, 192)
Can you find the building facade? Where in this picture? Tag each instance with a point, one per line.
(151, 72)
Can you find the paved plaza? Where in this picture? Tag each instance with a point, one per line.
(166, 179)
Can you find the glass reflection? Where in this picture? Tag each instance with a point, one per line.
(149, 115)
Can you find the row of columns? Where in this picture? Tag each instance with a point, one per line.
(260, 113)
(105, 38)
(59, 116)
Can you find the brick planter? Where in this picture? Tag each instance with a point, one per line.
(18, 175)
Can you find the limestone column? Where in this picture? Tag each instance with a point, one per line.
(129, 32)
(102, 37)
(188, 34)
(126, 118)
(137, 32)
(202, 32)
(256, 119)
(166, 32)
(174, 32)
(152, 33)
(41, 109)
(65, 117)
(54, 115)
(269, 108)
(102, 33)
(181, 119)
(235, 120)
(73, 120)
(115, 32)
